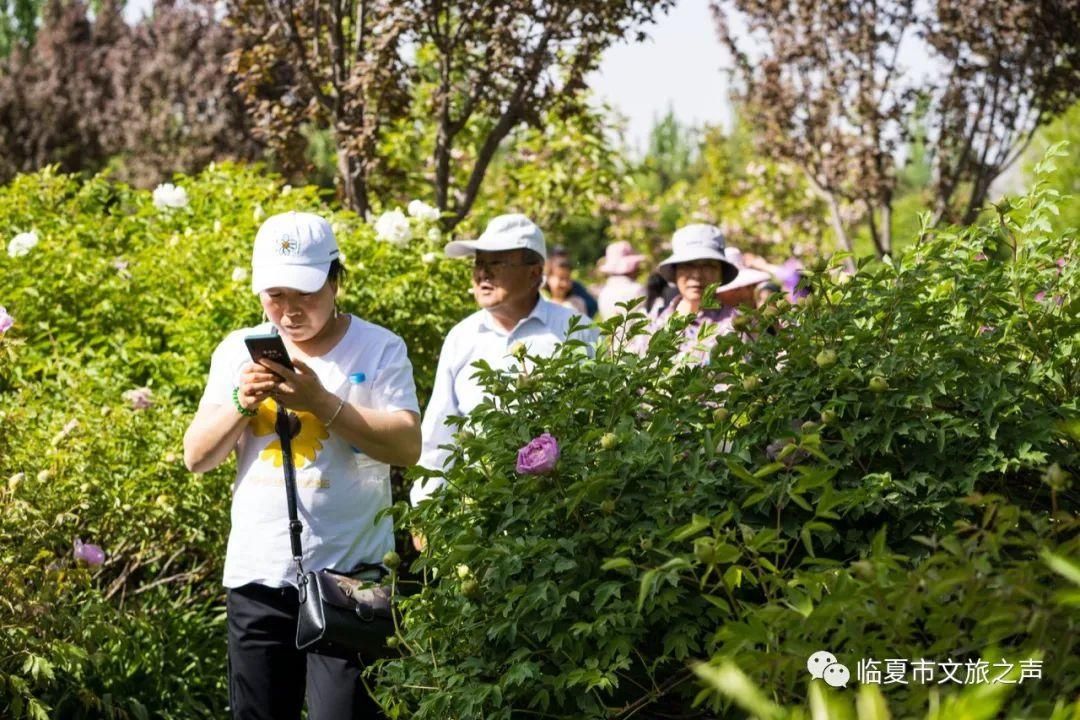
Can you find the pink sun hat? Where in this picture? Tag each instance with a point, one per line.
(747, 276)
(620, 259)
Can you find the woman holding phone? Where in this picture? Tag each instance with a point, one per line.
(351, 387)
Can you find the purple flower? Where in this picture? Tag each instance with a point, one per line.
(1060, 265)
(88, 553)
(6, 321)
(1040, 296)
(539, 456)
(980, 257)
(985, 329)
(140, 398)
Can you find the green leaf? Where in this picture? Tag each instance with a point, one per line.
(697, 524)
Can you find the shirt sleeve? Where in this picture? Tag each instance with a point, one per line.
(393, 387)
(442, 405)
(224, 371)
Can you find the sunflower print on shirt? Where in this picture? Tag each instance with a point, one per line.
(305, 446)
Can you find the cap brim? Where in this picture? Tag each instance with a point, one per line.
(468, 248)
(461, 248)
(305, 278)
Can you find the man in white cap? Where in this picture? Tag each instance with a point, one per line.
(508, 267)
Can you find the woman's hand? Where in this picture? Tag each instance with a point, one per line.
(300, 389)
(256, 383)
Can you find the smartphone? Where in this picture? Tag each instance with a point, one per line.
(268, 346)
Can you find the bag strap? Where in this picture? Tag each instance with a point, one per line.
(283, 424)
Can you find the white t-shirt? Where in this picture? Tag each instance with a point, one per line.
(339, 490)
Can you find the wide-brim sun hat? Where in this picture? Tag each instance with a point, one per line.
(293, 250)
(747, 276)
(697, 242)
(620, 259)
(505, 232)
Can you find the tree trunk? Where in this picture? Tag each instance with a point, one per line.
(886, 228)
(838, 228)
(353, 182)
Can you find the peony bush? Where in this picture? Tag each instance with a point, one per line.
(885, 471)
(110, 550)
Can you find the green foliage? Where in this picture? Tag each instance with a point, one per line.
(898, 502)
(716, 176)
(119, 294)
(18, 24)
(1066, 177)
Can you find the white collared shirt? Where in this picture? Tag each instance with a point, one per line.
(456, 390)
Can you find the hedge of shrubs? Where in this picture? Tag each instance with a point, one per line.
(886, 470)
(883, 472)
(118, 298)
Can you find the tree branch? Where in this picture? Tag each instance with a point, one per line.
(289, 22)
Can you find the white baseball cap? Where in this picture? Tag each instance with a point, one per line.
(696, 242)
(505, 232)
(292, 250)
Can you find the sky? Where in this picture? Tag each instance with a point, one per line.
(679, 67)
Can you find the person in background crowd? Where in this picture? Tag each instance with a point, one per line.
(559, 253)
(787, 275)
(742, 291)
(559, 286)
(508, 265)
(659, 292)
(621, 264)
(697, 261)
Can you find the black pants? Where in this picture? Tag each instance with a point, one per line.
(268, 675)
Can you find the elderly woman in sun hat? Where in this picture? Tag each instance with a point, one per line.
(697, 262)
(356, 413)
(621, 264)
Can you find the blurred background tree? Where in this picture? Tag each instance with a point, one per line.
(145, 100)
(454, 78)
(828, 92)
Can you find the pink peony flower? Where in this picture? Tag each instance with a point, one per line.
(1040, 296)
(980, 257)
(6, 321)
(88, 553)
(140, 398)
(539, 456)
(985, 329)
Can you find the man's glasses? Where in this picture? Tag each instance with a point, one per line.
(494, 266)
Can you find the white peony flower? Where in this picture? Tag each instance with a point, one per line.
(393, 227)
(168, 195)
(239, 274)
(429, 257)
(434, 234)
(422, 211)
(22, 243)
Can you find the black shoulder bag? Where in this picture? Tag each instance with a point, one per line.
(340, 614)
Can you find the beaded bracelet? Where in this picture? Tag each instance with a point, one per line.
(240, 408)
